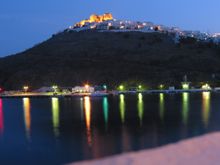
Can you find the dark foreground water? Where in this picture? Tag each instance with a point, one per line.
(58, 131)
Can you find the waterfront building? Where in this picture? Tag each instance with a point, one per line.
(83, 89)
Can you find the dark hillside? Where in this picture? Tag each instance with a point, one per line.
(71, 58)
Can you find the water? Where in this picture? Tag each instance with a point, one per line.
(58, 131)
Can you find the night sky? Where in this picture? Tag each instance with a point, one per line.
(24, 23)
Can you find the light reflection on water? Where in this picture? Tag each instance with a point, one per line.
(105, 111)
(27, 116)
(122, 107)
(81, 108)
(109, 125)
(161, 106)
(140, 107)
(185, 107)
(55, 115)
(206, 108)
(87, 109)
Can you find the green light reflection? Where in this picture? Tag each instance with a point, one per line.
(122, 107)
(105, 110)
(185, 107)
(161, 106)
(140, 107)
(55, 115)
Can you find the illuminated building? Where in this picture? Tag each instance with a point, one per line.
(95, 19)
(83, 89)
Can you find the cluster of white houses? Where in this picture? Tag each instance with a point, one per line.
(114, 25)
(76, 89)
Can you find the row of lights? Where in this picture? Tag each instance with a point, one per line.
(185, 86)
(55, 87)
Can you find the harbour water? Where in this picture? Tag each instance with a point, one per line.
(63, 130)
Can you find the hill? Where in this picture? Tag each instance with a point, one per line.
(70, 58)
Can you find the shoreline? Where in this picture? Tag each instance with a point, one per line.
(202, 150)
(39, 95)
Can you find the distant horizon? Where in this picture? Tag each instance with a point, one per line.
(25, 24)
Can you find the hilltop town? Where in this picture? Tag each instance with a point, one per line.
(106, 22)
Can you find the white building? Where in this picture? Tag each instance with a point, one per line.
(83, 89)
(146, 27)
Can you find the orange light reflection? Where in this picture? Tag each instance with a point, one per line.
(206, 108)
(27, 115)
(87, 109)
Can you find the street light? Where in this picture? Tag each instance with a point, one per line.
(25, 88)
(139, 87)
(87, 86)
(55, 87)
(105, 87)
(161, 86)
(121, 87)
(185, 86)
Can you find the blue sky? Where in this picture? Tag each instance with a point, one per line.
(24, 23)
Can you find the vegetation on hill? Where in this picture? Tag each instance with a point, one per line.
(73, 58)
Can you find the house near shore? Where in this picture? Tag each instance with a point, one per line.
(83, 89)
